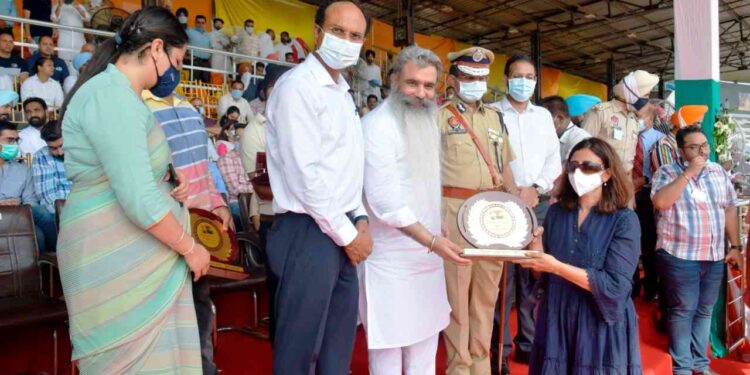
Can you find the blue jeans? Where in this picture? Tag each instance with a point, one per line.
(691, 289)
(45, 228)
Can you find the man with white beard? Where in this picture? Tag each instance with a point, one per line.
(403, 299)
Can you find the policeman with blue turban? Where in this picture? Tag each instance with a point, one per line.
(8, 100)
(579, 104)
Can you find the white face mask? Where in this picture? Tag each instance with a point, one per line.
(338, 53)
(585, 183)
(183, 20)
(472, 91)
(249, 29)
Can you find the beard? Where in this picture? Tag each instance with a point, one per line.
(4, 116)
(36, 121)
(417, 123)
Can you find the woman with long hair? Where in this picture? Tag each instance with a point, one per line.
(586, 322)
(125, 251)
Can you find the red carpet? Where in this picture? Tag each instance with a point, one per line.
(30, 351)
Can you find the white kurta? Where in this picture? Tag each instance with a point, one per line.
(70, 42)
(372, 72)
(403, 298)
(221, 42)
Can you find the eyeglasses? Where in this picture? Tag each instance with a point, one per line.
(587, 167)
(694, 148)
(343, 34)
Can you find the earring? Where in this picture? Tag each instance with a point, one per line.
(605, 184)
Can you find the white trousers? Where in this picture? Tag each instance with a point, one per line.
(415, 359)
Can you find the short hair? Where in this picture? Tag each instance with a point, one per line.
(421, 56)
(259, 64)
(238, 81)
(51, 131)
(40, 61)
(35, 100)
(248, 20)
(46, 36)
(516, 58)
(370, 52)
(7, 32)
(556, 104)
(181, 10)
(219, 19)
(200, 17)
(7, 125)
(232, 109)
(289, 54)
(267, 30)
(684, 132)
(284, 32)
(320, 14)
(371, 96)
(618, 191)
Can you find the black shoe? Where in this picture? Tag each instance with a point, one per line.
(505, 370)
(521, 357)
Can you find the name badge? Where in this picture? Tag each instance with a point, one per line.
(698, 195)
(617, 133)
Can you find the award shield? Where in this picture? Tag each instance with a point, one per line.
(499, 226)
(222, 245)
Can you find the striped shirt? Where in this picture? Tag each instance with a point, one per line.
(186, 135)
(50, 181)
(693, 227)
(642, 162)
(234, 174)
(664, 152)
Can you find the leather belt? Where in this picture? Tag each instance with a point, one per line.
(266, 218)
(459, 193)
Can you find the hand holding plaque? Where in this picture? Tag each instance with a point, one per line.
(499, 225)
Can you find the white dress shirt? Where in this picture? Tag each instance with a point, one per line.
(247, 44)
(69, 42)
(315, 150)
(370, 72)
(403, 297)
(51, 91)
(570, 138)
(69, 82)
(253, 141)
(246, 112)
(220, 41)
(534, 140)
(282, 49)
(30, 140)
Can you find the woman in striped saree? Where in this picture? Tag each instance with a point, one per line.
(125, 257)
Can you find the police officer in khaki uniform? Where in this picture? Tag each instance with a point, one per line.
(616, 121)
(472, 290)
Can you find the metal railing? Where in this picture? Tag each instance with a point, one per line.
(233, 56)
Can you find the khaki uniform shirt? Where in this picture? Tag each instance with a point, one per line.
(619, 128)
(462, 164)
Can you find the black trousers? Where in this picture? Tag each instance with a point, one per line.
(645, 210)
(204, 315)
(201, 75)
(316, 299)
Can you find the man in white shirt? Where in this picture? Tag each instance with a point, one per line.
(30, 138)
(371, 74)
(284, 46)
(41, 84)
(247, 42)
(220, 41)
(568, 133)
(234, 98)
(316, 164)
(403, 298)
(536, 167)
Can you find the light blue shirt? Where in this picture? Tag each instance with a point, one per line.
(8, 8)
(649, 138)
(199, 38)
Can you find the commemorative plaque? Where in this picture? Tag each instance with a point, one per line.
(222, 245)
(499, 225)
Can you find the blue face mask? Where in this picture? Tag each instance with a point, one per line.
(236, 94)
(9, 152)
(167, 82)
(640, 103)
(521, 89)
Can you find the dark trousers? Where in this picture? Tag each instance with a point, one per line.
(316, 299)
(645, 210)
(271, 281)
(204, 314)
(45, 229)
(201, 75)
(520, 287)
(691, 289)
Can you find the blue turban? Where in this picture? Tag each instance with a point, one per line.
(8, 97)
(580, 103)
(81, 59)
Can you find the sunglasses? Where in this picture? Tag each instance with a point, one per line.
(586, 167)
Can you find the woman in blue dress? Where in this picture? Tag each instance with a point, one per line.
(586, 323)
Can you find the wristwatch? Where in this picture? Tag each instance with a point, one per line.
(539, 190)
(736, 247)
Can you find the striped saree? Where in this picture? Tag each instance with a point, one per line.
(129, 296)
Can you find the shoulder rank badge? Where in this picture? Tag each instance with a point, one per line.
(454, 127)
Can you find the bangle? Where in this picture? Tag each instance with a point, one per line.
(190, 251)
(173, 244)
(432, 243)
